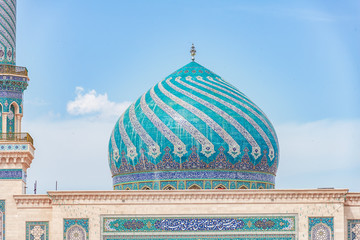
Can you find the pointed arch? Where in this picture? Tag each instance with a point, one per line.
(16, 107)
(261, 187)
(243, 187)
(127, 188)
(194, 187)
(169, 187)
(76, 232)
(145, 188)
(220, 186)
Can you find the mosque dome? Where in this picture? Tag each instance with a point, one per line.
(193, 130)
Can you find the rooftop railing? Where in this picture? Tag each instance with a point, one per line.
(16, 137)
(15, 70)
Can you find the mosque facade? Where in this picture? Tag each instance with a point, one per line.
(193, 158)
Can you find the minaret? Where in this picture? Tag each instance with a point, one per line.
(16, 147)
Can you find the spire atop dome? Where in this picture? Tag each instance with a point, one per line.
(193, 52)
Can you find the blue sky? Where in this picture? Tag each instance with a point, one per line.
(87, 60)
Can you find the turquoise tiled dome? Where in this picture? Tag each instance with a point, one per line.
(193, 130)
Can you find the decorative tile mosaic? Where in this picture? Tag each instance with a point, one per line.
(12, 174)
(6, 100)
(37, 230)
(196, 224)
(76, 229)
(8, 32)
(353, 229)
(10, 120)
(207, 148)
(195, 120)
(207, 237)
(237, 110)
(2, 219)
(196, 184)
(179, 146)
(14, 147)
(151, 144)
(321, 228)
(191, 175)
(218, 110)
(234, 148)
(245, 227)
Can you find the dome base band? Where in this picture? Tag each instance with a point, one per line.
(187, 179)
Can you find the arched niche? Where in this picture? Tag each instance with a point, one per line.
(76, 232)
(16, 107)
(220, 186)
(321, 232)
(169, 187)
(194, 187)
(11, 118)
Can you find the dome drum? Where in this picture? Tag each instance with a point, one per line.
(193, 129)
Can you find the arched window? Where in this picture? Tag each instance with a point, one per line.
(243, 187)
(145, 188)
(168, 187)
(11, 119)
(194, 187)
(76, 232)
(320, 232)
(261, 187)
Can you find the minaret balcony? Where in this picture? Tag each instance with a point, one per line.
(16, 137)
(6, 69)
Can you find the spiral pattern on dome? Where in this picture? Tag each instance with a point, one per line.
(193, 130)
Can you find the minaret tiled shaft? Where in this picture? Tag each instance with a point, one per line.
(16, 147)
(8, 31)
(13, 79)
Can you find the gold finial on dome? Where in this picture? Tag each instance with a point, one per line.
(193, 52)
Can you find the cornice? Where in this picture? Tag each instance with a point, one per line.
(352, 199)
(183, 197)
(32, 201)
(14, 158)
(199, 197)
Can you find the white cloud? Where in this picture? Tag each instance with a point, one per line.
(94, 103)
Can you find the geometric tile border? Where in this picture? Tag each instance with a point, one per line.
(2, 219)
(195, 224)
(193, 227)
(76, 228)
(321, 228)
(12, 174)
(37, 230)
(14, 147)
(353, 229)
(205, 237)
